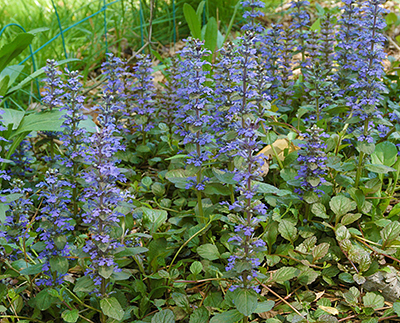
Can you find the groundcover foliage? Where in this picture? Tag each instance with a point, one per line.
(256, 185)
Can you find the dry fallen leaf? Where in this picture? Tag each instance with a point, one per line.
(328, 309)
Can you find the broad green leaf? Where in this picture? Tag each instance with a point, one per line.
(365, 147)
(319, 210)
(11, 116)
(391, 18)
(200, 9)
(224, 177)
(341, 205)
(181, 300)
(165, 316)
(208, 251)
(288, 230)
(379, 169)
(131, 251)
(390, 233)
(210, 38)
(112, 308)
(196, 267)
(84, 284)
(350, 218)
(396, 308)
(4, 82)
(59, 264)
(269, 189)
(217, 189)
(153, 219)
(316, 26)
(3, 209)
(245, 301)
(307, 276)
(192, 20)
(11, 50)
(44, 300)
(264, 307)
(373, 300)
(231, 316)
(385, 154)
(199, 315)
(42, 121)
(106, 271)
(320, 251)
(284, 274)
(13, 72)
(32, 270)
(178, 177)
(70, 316)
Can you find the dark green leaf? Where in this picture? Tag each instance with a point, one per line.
(245, 301)
(192, 20)
(288, 230)
(199, 315)
(165, 316)
(320, 251)
(70, 316)
(284, 274)
(210, 38)
(153, 219)
(44, 300)
(208, 251)
(341, 205)
(231, 316)
(112, 308)
(59, 264)
(84, 284)
(32, 270)
(264, 307)
(4, 82)
(11, 50)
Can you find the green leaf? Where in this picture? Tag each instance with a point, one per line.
(208, 251)
(210, 38)
(373, 300)
(319, 210)
(196, 267)
(217, 189)
(131, 251)
(288, 230)
(245, 301)
(11, 116)
(265, 188)
(365, 147)
(264, 307)
(178, 177)
(350, 218)
(106, 271)
(192, 20)
(42, 121)
(44, 300)
(231, 316)
(224, 177)
(84, 284)
(70, 316)
(390, 233)
(284, 274)
(153, 219)
(112, 308)
(4, 82)
(316, 26)
(396, 308)
(12, 72)
(385, 154)
(391, 18)
(320, 251)
(379, 169)
(200, 9)
(59, 264)
(341, 205)
(32, 270)
(165, 316)
(199, 315)
(11, 50)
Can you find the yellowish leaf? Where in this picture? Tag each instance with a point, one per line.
(330, 310)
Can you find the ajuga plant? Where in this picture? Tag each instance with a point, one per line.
(252, 11)
(102, 197)
(141, 98)
(193, 118)
(52, 96)
(55, 223)
(74, 136)
(368, 85)
(300, 26)
(115, 71)
(15, 229)
(22, 159)
(245, 261)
